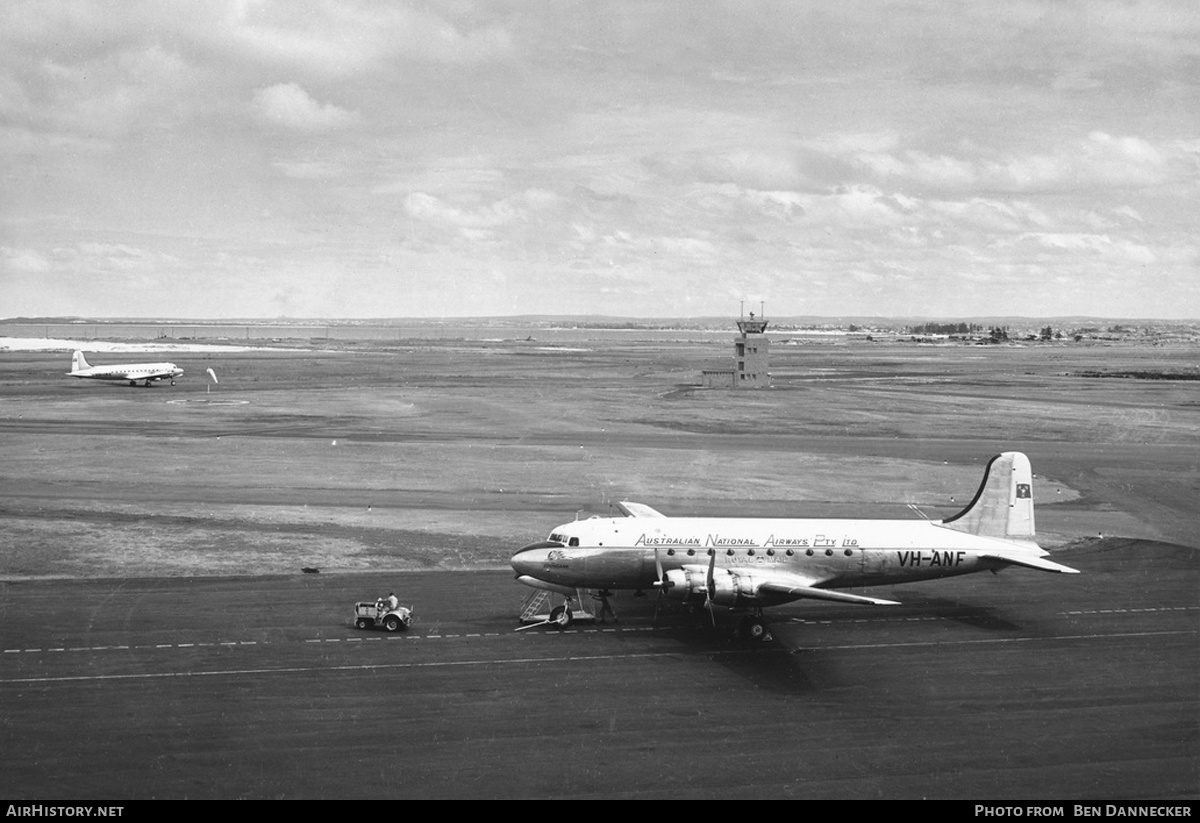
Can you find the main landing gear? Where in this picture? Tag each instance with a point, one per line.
(754, 628)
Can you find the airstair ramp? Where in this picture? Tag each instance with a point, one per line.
(539, 609)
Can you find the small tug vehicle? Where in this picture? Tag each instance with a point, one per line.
(378, 615)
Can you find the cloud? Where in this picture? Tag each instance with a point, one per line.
(116, 257)
(752, 165)
(1098, 160)
(288, 105)
(518, 207)
(23, 261)
(92, 93)
(307, 169)
(859, 169)
(346, 37)
(1095, 244)
(773, 146)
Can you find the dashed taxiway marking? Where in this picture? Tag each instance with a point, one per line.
(1134, 611)
(802, 621)
(807, 621)
(577, 658)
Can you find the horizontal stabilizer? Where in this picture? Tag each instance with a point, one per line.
(1029, 561)
(638, 510)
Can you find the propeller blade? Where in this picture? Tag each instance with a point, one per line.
(711, 587)
(660, 584)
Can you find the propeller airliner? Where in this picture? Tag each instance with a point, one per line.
(134, 373)
(752, 563)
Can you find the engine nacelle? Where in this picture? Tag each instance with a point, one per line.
(685, 584)
(691, 583)
(731, 589)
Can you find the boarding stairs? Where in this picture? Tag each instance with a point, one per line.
(536, 607)
(537, 600)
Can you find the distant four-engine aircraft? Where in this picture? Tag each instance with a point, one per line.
(753, 563)
(135, 373)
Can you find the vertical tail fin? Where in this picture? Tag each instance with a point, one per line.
(1003, 506)
(78, 363)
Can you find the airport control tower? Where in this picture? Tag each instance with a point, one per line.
(752, 349)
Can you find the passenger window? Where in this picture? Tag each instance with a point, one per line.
(574, 541)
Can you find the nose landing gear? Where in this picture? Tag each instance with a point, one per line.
(561, 617)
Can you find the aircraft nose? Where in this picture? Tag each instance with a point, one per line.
(532, 558)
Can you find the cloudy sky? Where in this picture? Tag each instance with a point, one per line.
(386, 159)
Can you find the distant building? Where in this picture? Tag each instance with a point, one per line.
(751, 353)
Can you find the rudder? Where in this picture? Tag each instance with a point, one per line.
(1003, 506)
(78, 363)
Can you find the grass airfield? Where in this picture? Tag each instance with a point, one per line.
(448, 454)
(161, 640)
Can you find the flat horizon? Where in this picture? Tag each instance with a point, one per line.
(593, 318)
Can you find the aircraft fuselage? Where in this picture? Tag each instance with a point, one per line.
(627, 553)
(132, 373)
(148, 371)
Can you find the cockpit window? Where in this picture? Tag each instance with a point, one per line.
(574, 541)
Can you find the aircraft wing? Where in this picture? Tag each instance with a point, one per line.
(638, 510)
(797, 587)
(160, 374)
(813, 593)
(1029, 561)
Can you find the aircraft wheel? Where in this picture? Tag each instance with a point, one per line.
(754, 629)
(392, 623)
(561, 617)
(362, 623)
